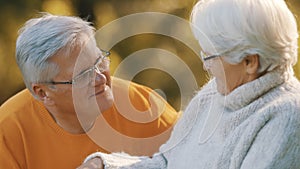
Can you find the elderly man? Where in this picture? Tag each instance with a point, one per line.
(72, 107)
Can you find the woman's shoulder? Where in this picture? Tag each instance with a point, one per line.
(288, 93)
(194, 108)
(284, 100)
(207, 90)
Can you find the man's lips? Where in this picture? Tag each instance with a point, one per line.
(99, 91)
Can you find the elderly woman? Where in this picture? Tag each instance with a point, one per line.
(248, 115)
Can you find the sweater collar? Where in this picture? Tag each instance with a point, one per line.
(246, 93)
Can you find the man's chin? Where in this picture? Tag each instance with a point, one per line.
(104, 106)
(105, 100)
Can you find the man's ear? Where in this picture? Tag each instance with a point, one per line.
(41, 93)
(252, 64)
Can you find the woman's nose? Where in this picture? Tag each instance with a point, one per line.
(206, 65)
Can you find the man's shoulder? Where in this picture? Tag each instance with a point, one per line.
(122, 84)
(142, 98)
(124, 88)
(16, 106)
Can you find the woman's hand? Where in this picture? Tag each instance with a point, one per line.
(95, 163)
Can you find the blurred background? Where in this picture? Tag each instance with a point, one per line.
(14, 13)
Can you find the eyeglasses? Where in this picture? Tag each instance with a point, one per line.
(206, 57)
(87, 76)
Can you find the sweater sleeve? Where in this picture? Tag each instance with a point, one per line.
(277, 144)
(125, 161)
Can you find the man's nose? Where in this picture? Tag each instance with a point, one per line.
(99, 79)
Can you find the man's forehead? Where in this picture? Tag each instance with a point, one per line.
(76, 59)
(85, 59)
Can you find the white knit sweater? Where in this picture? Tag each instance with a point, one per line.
(256, 126)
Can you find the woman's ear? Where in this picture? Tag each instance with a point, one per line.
(41, 94)
(252, 64)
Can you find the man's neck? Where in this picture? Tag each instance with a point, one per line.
(70, 123)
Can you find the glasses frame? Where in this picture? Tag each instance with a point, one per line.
(202, 54)
(104, 55)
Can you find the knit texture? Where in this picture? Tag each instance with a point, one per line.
(256, 126)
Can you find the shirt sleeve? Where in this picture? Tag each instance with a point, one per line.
(7, 158)
(125, 161)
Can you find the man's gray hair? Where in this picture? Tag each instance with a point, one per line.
(237, 28)
(43, 37)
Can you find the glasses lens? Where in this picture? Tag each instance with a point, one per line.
(88, 76)
(206, 57)
(102, 65)
(203, 55)
(104, 53)
(83, 79)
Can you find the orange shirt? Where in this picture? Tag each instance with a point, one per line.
(30, 138)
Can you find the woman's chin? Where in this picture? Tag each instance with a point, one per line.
(222, 90)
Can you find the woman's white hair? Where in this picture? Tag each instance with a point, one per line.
(237, 28)
(41, 38)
